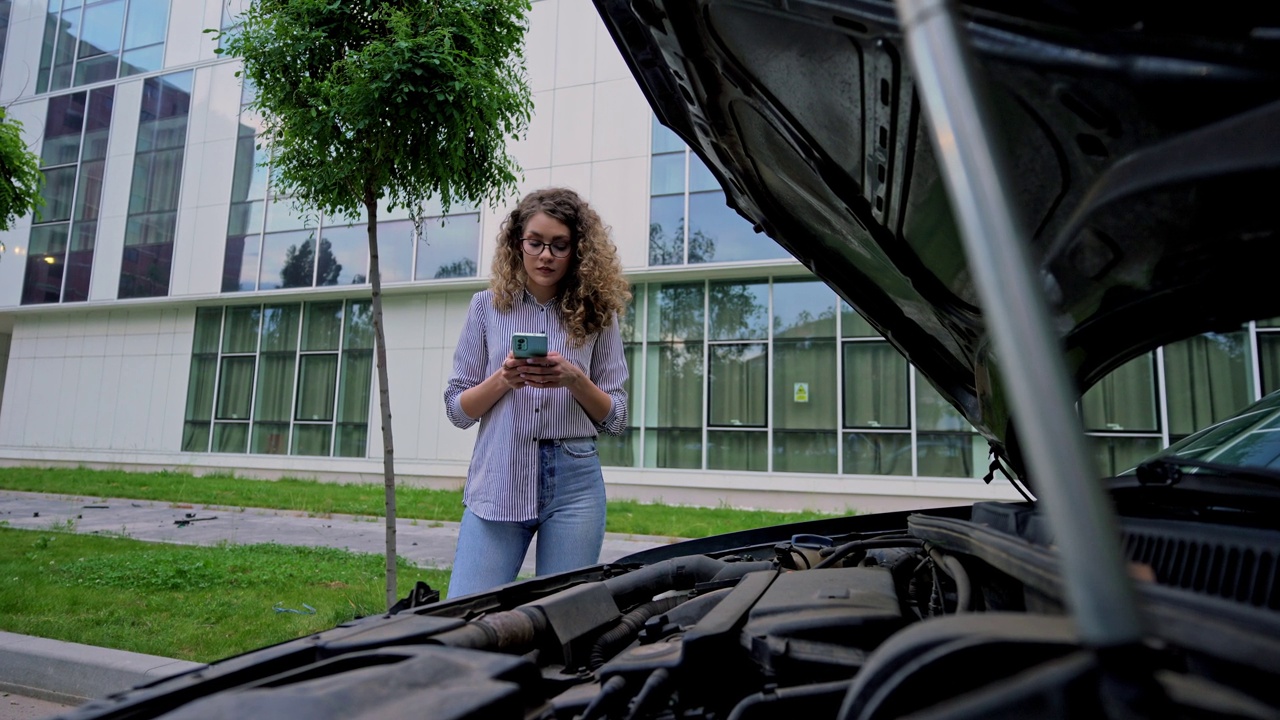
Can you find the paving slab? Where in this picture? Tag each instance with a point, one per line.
(426, 543)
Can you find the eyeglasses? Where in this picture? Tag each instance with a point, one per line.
(559, 248)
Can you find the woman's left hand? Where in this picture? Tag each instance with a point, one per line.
(552, 371)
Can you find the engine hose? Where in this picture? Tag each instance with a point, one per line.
(643, 584)
(952, 567)
(627, 627)
(650, 694)
(839, 553)
(679, 573)
(512, 629)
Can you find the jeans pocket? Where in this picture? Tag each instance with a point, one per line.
(579, 447)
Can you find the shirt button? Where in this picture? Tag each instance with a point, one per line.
(535, 409)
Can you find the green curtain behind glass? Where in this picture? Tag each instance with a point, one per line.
(1207, 379)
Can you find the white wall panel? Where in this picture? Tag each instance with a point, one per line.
(575, 43)
(41, 416)
(17, 395)
(437, 366)
(84, 421)
(22, 51)
(534, 151)
(576, 177)
(622, 121)
(572, 125)
(620, 193)
(186, 42)
(109, 248)
(540, 45)
(13, 261)
(609, 62)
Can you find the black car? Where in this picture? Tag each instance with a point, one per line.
(1020, 196)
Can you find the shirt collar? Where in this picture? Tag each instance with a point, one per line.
(528, 297)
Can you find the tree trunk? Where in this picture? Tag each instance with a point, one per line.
(384, 395)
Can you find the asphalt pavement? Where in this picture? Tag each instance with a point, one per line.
(34, 671)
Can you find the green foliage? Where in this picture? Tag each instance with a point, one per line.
(20, 178)
(179, 601)
(364, 99)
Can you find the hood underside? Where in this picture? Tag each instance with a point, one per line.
(1142, 144)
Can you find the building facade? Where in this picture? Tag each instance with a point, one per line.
(166, 309)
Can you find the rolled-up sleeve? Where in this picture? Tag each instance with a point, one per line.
(469, 364)
(609, 373)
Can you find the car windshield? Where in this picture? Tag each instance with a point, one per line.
(1250, 438)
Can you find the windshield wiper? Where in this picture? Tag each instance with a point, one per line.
(1167, 470)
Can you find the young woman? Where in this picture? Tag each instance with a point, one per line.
(535, 468)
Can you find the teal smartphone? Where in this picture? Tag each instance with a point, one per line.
(527, 345)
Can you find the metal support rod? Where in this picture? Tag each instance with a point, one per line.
(1097, 588)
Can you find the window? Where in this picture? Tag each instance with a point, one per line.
(89, 42)
(60, 256)
(1212, 377)
(689, 221)
(673, 374)
(1121, 415)
(624, 450)
(281, 379)
(157, 182)
(738, 376)
(805, 384)
(271, 244)
(6, 7)
(1268, 334)
(770, 375)
(876, 436)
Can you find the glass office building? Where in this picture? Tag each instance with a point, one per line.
(168, 309)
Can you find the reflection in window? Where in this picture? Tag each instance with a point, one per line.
(281, 379)
(271, 243)
(89, 42)
(689, 220)
(448, 247)
(6, 7)
(64, 231)
(157, 182)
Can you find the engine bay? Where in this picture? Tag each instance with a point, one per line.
(949, 615)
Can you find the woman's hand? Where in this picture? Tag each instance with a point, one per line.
(552, 371)
(512, 372)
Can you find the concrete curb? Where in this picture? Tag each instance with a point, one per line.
(71, 673)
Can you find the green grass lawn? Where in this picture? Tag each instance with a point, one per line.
(179, 601)
(624, 516)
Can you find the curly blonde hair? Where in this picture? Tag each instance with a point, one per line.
(593, 290)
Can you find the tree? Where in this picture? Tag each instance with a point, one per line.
(20, 178)
(365, 100)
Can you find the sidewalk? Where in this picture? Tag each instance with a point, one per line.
(426, 543)
(70, 673)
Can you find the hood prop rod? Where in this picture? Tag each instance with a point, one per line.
(1098, 590)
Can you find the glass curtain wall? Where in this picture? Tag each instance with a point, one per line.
(788, 379)
(689, 220)
(281, 379)
(64, 231)
(157, 183)
(87, 42)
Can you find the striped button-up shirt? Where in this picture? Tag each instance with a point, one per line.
(502, 481)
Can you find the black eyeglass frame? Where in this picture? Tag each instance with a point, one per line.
(525, 244)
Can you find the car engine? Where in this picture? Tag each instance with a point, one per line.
(955, 613)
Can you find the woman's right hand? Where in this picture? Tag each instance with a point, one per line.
(510, 374)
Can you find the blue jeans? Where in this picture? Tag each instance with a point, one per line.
(570, 523)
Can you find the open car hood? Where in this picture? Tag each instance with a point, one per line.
(1143, 144)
